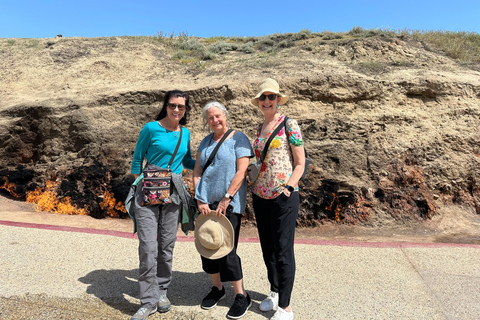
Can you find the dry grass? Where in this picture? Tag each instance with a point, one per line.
(462, 46)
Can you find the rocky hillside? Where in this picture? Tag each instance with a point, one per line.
(391, 125)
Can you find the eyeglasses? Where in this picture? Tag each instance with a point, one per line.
(173, 106)
(270, 97)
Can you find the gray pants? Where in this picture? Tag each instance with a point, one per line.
(157, 233)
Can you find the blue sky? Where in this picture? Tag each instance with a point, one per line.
(103, 18)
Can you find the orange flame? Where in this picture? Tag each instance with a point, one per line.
(338, 208)
(110, 204)
(46, 199)
(10, 187)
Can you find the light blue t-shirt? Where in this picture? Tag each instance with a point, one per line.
(215, 181)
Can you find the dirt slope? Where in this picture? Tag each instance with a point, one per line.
(392, 129)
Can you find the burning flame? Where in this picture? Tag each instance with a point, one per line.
(110, 204)
(46, 199)
(338, 208)
(10, 187)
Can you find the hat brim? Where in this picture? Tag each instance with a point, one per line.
(228, 236)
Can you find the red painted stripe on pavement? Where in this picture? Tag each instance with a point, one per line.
(129, 235)
(384, 244)
(121, 234)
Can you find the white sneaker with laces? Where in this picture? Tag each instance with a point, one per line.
(281, 314)
(270, 302)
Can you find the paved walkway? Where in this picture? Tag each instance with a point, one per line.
(55, 272)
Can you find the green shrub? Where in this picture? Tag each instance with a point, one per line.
(328, 35)
(189, 44)
(266, 44)
(286, 44)
(246, 48)
(208, 55)
(222, 47)
(303, 34)
(356, 32)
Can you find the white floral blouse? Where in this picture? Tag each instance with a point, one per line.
(278, 165)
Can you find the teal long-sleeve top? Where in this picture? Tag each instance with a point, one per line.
(157, 144)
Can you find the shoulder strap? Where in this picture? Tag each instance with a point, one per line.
(176, 148)
(214, 152)
(267, 144)
(286, 128)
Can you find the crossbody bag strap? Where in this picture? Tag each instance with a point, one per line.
(267, 144)
(214, 152)
(286, 129)
(176, 148)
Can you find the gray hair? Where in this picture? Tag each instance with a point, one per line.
(208, 106)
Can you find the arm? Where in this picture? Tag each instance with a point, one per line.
(141, 147)
(298, 153)
(197, 173)
(188, 162)
(295, 141)
(242, 164)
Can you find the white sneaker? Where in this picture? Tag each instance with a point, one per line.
(281, 314)
(270, 302)
(144, 312)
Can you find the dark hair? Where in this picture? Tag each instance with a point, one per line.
(166, 99)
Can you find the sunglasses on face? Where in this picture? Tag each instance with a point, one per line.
(270, 97)
(173, 106)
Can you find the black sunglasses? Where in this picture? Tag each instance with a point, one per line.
(270, 97)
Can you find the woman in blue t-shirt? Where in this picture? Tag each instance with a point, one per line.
(223, 185)
(157, 224)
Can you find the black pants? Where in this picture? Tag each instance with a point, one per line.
(230, 266)
(276, 220)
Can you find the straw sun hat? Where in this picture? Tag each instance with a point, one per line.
(213, 235)
(269, 85)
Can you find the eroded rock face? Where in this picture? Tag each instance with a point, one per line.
(399, 144)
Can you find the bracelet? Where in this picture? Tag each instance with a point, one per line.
(289, 188)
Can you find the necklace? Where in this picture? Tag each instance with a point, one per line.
(174, 131)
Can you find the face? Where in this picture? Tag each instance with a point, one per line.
(217, 120)
(267, 105)
(175, 111)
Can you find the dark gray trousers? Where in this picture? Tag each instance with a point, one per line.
(157, 232)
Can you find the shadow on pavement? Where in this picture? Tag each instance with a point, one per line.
(186, 289)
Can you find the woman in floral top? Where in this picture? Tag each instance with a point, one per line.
(275, 196)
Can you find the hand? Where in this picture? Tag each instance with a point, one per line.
(222, 207)
(203, 207)
(286, 192)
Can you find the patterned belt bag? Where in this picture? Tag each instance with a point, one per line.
(156, 186)
(157, 181)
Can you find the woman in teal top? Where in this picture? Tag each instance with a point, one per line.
(157, 224)
(156, 144)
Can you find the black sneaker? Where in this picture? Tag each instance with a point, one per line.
(240, 306)
(215, 295)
